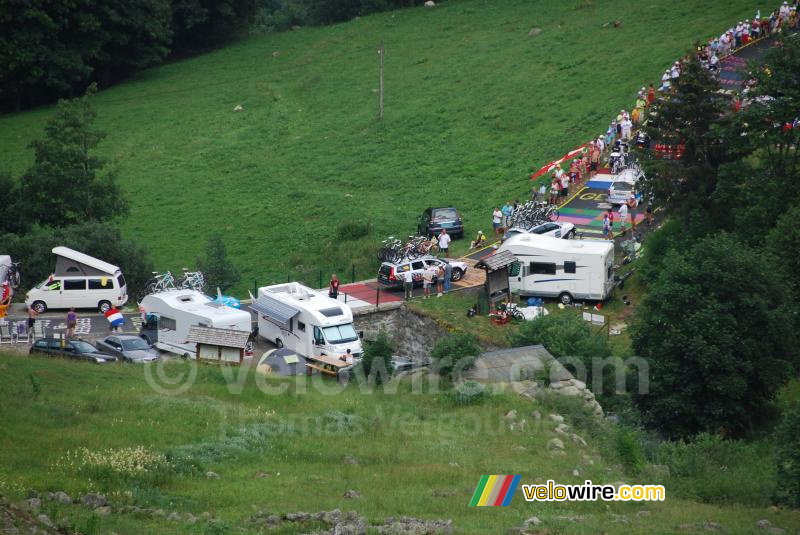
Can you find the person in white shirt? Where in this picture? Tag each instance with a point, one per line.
(666, 81)
(347, 358)
(623, 216)
(626, 128)
(408, 283)
(497, 217)
(444, 242)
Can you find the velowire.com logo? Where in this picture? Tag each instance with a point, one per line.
(495, 490)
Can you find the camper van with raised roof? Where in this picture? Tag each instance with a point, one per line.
(79, 281)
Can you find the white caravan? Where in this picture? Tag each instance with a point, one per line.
(168, 316)
(79, 281)
(296, 317)
(566, 269)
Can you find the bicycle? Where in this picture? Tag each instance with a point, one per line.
(160, 282)
(192, 280)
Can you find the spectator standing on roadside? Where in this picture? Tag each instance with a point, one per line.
(427, 280)
(623, 216)
(651, 95)
(508, 211)
(408, 283)
(72, 322)
(333, 287)
(542, 193)
(439, 281)
(564, 184)
(444, 242)
(31, 319)
(606, 226)
(594, 159)
(632, 204)
(610, 216)
(627, 126)
(555, 191)
(448, 276)
(497, 218)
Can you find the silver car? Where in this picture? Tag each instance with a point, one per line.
(128, 348)
(555, 229)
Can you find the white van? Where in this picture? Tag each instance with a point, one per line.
(308, 322)
(168, 316)
(79, 281)
(566, 269)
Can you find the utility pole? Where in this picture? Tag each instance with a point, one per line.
(380, 82)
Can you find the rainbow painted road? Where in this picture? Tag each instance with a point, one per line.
(495, 491)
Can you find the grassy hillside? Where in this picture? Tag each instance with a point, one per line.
(417, 454)
(472, 103)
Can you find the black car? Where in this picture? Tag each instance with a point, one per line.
(72, 348)
(433, 220)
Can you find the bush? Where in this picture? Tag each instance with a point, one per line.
(467, 393)
(375, 362)
(713, 470)
(566, 336)
(787, 458)
(455, 354)
(351, 230)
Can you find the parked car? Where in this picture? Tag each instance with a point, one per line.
(555, 229)
(433, 220)
(128, 348)
(387, 273)
(72, 349)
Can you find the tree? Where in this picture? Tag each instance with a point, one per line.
(376, 360)
(787, 457)
(719, 333)
(219, 272)
(689, 116)
(67, 183)
(455, 354)
(55, 49)
(201, 24)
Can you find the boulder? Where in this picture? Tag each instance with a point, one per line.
(536, 415)
(577, 440)
(212, 475)
(511, 415)
(532, 521)
(557, 418)
(350, 460)
(534, 31)
(575, 473)
(174, 516)
(33, 504)
(351, 495)
(62, 497)
(555, 444)
(562, 429)
(93, 500)
(44, 519)
(430, 3)
(190, 518)
(103, 511)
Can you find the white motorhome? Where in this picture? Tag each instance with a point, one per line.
(168, 316)
(79, 281)
(566, 269)
(310, 323)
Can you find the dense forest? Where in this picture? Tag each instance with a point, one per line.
(57, 49)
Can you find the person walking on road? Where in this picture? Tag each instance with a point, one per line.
(448, 275)
(408, 283)
(606, 226)
(115, 319)
(333, 287)
(632, 203)
(72, 322)
(444, 242)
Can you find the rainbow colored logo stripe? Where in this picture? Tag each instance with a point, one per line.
(495, 490)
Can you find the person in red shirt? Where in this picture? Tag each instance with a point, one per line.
(651, 95)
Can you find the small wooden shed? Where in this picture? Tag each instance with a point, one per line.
(497, 266)
(221, 345)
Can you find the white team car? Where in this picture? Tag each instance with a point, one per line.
(622, 186)
(555, 229)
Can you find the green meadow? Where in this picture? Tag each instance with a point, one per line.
(472, 103)
(407, 451)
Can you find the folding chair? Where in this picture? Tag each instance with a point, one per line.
(23, 333)
(38, 330)
(5, 334)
